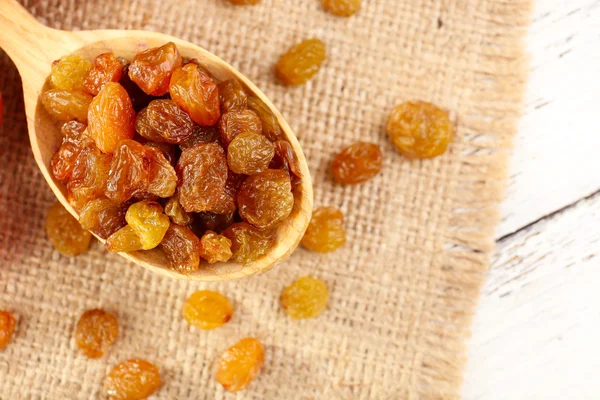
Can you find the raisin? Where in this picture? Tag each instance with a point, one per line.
(168, 151)
(207, 310)
(148, 221)
(247, 242)
(88, 178)
(232, 96)
(181, 247)
(306, 297)
(301, 62)
(162, 176)
(202, 134)
(420, 129)
(176, 212)
(249, 153)
(139, 99)
(266, 199)
(215, 247)
(270, 125)
(74, 139)
(129, 171)
(325, 231)
(240, 364)
(132, 380)
(65, 105)
(65, 232)
(285, 158)
(7, 327)
(227, 202)
(151, 69)
(342, 8)
(164, 121)
(103, 217)
(111, 117)
(72, 132)
(357, 163)
(69, 72)
(202, 172)
(106, 68)
(233, 123)
(123, 240)
(96, 331)
(244, 2)
(209, 221)
(196, 93)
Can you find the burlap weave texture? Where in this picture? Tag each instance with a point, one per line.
(404, 287)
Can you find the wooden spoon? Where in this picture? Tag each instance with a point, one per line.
(33, 47)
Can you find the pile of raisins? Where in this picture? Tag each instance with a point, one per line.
(157, 153)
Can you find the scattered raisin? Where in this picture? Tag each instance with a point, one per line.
(106, 68)
(285, 158)
(306, 297)
(89, 175)
(266, 199)
(65, 105)
(270, 125)
(232, 96)
(132, 380)
(342, 8)
(248, 243)
(249, 153)
(103, 217)
(148, 221)
(164, 121)
(233, 123)
(215, 247)
(123, 240)
(176, 212)
(301, 62)
(151, 69)
(240, 364)
(96, 331)
(69, 72)
(325, 231)
(7, 327)
(181, 247)
(420, 129)
(196, 93)
(207, 310)
(357, 163)
(65, 232)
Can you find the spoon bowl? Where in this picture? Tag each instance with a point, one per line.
(33, 47)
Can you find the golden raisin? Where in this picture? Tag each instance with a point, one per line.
(270, 125)
(202, 172)
(96, 331)
(139, 98)
(168, 150)
(215, 247)
(196, 93)
(176, 212)
(202, 134)
(106, 68)
(249, 153)
(420, 129)
(266, 199)
(285, 158)
(306, 297)
(132, 380)
(129, 171)
(69, 72)
(232, 96)
(248, 243)
(301, 62)
(325, 231)
(7, 327)
(342, 8)
(65, 232)
(182, 249)
(151, 69)
(357, 163)
(240, 364)
(227, 202)
(233, 123)
(164, 121)
(111, 117)
(88, 178)
(206, 310)
(123, 240)
(148, 221)
(74, 139)
(162, 176)
(65, 105)
(103, 217)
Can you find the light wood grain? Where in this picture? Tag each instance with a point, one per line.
(33, 47)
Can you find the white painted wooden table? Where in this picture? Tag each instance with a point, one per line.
(537, 330)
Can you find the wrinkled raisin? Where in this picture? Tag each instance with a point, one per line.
(357, 163)
(202, 134)
(7, 327)
(342, 8)
(420, 129)
(301, 62)
(270, 125)
(65, 232)
(65, 105)
(111, 117)
(233, 123)
(123, 240)
(227, 202)
(232, 96)
(168, 150)
(202, 172)
(306, 297)
(69, 72)
(96, 331)
(164, 121)
(325, 231)
(148, 221)
(103, 217)
(240, 364)
(285, 158)
(196, 93)
(176, 212)
(139, 98)
(151, 69)
(215, 247)
(181, 247)
(266, 199)
(206, 310)
(247, 242)
(129, 171)
(162, 176)
(209, 221)
(74, 139)
(106, 68)
(249, 153)
(132, 380)
(88, 177)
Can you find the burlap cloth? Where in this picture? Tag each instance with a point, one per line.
(405, 286)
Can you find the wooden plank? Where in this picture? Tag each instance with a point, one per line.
(536, 332)
(558, 143)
